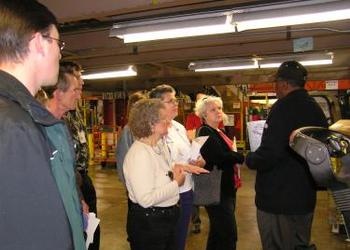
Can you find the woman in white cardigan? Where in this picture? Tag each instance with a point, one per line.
(151, 181)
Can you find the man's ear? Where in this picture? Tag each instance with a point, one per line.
(37, 44)
(57, 94)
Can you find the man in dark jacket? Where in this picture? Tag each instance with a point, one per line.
(285, 191)
(39, 209)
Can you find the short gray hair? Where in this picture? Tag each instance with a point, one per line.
(62, 84)
(160, 90)
(202, 105)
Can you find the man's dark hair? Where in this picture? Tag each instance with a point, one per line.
(70, 66)
(293, 73)
(160, 90)
(19, 20)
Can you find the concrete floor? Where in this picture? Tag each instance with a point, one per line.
(112, 212)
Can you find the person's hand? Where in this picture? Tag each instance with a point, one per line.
(85, 207)
(200, 162)
(179, 174)
(195, 169)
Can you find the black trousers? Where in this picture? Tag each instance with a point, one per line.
(284, 232)
(195, 219)
(89, 194)
(152, 228)
(222, 225)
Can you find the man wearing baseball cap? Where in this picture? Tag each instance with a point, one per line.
(285, 191)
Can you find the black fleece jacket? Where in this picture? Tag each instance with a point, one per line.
(284, 184)
(32, 214)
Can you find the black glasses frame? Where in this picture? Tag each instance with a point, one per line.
(61, 44)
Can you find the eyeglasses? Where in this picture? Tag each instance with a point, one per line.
(172, 101)
(77, 75)
(60, 43)
(164, 121)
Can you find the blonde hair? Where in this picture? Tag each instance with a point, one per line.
(202, 105)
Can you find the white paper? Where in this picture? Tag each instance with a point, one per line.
(91, 228)
(234, 144)
(196, 145)
(255, 131)
(82, 137)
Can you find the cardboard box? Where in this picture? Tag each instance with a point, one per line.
(342, 126)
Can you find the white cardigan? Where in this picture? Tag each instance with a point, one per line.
(146, 177)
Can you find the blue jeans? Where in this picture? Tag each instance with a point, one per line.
(186, 204)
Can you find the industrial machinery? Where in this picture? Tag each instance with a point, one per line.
(320, 147)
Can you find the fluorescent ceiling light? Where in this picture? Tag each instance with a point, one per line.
(232, 20)
(188, 26)
(317, 62)
(311, 59)
(306, 59)
(305, 63)
(238, 67)
(270, 65)
(130, 71)
(304, 12)
(222, 65)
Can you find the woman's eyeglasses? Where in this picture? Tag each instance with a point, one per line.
(172, 101)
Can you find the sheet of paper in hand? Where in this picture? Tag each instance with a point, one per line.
(255, 131)
(93, 222)
(197, 143)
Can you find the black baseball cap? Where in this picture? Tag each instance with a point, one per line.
(292, 72)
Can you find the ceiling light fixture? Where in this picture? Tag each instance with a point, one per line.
(173, 27)
(129, 71)
(310, 59)
(232, 20)
(306, 59)
(223, 65)
(303, 12)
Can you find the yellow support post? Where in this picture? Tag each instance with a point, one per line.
(91, 148)
(103, 145)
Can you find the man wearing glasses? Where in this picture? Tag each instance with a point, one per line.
(39, 207)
